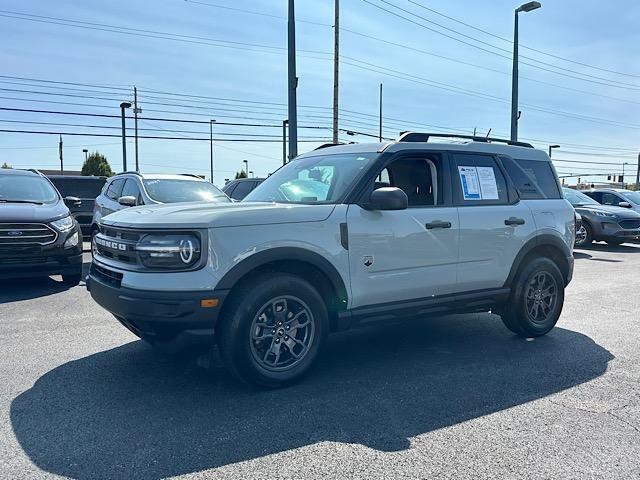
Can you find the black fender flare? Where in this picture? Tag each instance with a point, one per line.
(536, 242)
(296, 254)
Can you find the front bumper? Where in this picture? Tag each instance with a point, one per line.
(25, 261)
(613, 231)
(171, 320)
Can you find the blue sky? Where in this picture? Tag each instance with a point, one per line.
(431, 82)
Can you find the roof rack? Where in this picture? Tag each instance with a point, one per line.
(201, 177)
(325, 145)
(132, 172)
(424, 137)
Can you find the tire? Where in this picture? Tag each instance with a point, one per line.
(587, 238)
(521, 315)
(615, 243)
(255, 340)
(72, 279)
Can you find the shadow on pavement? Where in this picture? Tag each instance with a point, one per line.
(605, 247)
(17, 289)
(130, 413)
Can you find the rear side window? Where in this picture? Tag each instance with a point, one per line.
(478, 180)
(533, 179)
(115, 188)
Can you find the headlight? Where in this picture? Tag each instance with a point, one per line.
(72, 241)
(169, 252)
(64, 224)
(603, 214)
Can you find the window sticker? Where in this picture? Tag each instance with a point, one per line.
(488, 185)
(469, 182)
(478, 183)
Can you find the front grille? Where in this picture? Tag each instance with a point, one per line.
(26, 234)
(118, 244)
(105, 275)
(630, 223)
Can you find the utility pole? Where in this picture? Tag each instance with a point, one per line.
(638, 175)
(284, 141)
(60, 152)
(123, 107)
(336, 67)
(292, 82)
(380, 119)
(136, 111)
(211, 122)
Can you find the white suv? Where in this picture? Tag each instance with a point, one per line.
(341, 236)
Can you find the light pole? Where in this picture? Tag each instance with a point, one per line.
(123, 107)
(292, 81)
(246, 165)
(284, 141)
(251, 173)
(211, 122)
(551, 147)
(85, 154)
(527, 7)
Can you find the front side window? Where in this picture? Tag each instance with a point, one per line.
(419, 178)
(179, 190)
(26, 189)
(241, 190)
(114, 188)
(131, 189)
(322, 179)
(611, 199)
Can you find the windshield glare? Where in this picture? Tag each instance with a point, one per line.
(174, 191)
(576, 197)
(26, 188)
(322, 179)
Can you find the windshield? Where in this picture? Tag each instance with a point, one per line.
(178, 190)
(577, 198)
(313, 180)
(632, 196)
(79, 187)
(26, 189)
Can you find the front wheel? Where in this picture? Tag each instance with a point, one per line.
(273, 329)
(536, 300)
(584, 236)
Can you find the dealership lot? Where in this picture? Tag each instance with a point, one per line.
(457, 397)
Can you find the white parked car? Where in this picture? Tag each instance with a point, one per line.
(340, 236)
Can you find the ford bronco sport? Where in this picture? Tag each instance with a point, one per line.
(340, 236)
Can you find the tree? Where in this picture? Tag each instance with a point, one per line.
(6, 165)
(241, 174)
(96, 164)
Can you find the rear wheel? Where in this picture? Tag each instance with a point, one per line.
(273, 330)
(584, 235)
(536, 300)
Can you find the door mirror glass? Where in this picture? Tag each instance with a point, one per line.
(388, 198)
(128, 201)
(74, 201)
(624, 204)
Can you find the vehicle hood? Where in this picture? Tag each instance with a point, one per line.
(29, 212)
(213, 215)
(618, 211)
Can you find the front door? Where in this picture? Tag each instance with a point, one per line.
(405, 254)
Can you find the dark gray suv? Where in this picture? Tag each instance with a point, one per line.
(614, 225)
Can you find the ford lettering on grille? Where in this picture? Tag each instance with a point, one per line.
(111, 244)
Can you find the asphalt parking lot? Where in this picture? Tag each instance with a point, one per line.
(453, 397)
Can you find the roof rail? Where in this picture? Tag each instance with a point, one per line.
(35, 170)
(132, 172)
(325, 145)
(424, 137)
(201, 177)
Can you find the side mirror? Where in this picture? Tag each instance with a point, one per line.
(73, 201)
(624, 205)
(128, 201)
(388, 198)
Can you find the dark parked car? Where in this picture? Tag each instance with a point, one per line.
(80, 192)
(38, 235)
(614, 225)
(241, 187)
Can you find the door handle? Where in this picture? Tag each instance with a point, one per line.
(514, 221)
(437, 224)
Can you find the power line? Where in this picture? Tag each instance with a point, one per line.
(521, 45)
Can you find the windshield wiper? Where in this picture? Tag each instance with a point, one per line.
(4, 200)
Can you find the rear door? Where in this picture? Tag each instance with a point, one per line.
(494, 224)
(405, 254)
